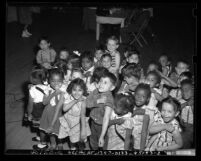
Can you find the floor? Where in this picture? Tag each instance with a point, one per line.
(174, 34)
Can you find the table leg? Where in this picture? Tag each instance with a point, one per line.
(97, 30)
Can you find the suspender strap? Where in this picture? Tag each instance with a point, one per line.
(118, 134)
(40, 90)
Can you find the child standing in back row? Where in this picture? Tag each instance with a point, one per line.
(46, 55)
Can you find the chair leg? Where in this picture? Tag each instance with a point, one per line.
(136, 38)
(144, 39)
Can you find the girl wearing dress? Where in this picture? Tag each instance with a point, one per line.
(70, 121)
(166, 131)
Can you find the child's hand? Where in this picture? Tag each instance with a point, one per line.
(30, 117)
(101, 142)
(50, 129)
(169, 128)
(30, 85)
(119, 121)
(102, 99)
(83, 136)
(81, 99)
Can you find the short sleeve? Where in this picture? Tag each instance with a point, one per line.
(109, 101)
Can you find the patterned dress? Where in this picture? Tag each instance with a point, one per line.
(163, 138)
(70, 122)
(117, 133)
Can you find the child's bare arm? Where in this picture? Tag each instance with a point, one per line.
(69, 105)
(106, 118)
(30, 105)
(83, 120)
(128, 139)
(157, 128)
(46, 99)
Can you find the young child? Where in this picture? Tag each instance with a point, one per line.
(112, 46)
(187, 113)
(70, 122)
(99, 51)
(165, 64)
(166, 131)
(63, 54)
(152, 66)
(101, 101)
(153, 79)
(137, 126)
(182, 66)
(122, 111)
(46, 55)
(131, 75)
(133, 56)
(49, 123)
(87, 63)
(37, 91)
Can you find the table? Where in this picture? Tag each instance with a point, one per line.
(107, 20)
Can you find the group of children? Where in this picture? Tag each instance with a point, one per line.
(103, 100)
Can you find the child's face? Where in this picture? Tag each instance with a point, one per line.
(76, 74)
(105, 85)
(69, 65)
(181, 67)
(151, 67)
(187, 91)
(133, 59)
(106, 62)
(132, 82)
(77, 92)
(98, 54)
(163, 61)
(86, 64)
(165, 93)
(63, 55)
(152, 81)
(141, 97)
(112, 45)
(44, 45)
(56, 81)
(181, 78)
(167, 112)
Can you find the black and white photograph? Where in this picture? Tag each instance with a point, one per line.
(100, 78)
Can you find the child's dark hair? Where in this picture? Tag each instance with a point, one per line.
(77, 82)
(77, 70)
(44, 38)
(62, 65)
(187, 74)
(100, 47)
(106, 55)
(131, 69)
(169, 88)
(37, 76)
(113, 38)
(186, 81)
(64, 48)
(88, 55)
(133, 52)
(183, 61)
(98, 73)
(56, 71)
(125, 101)
(111, 76)
(158, 78)
(144, 87)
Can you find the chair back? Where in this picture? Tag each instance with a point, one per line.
(143, 20)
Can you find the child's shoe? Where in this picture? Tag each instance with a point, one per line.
(40, 146)
(36, 138)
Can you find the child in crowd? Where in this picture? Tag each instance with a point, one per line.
(49, 123)
(133, 56)
(153, 79)
(101, 101)
(187, 113)
(72, 63)
(63, 54)
(182, 66)
(46, 55)
(165, 131)
(122, 111)
(131, 75)
(77, 73)
(87, 63)
(165, 64)
(152, 66)
(99, 51)
(70, 122)
(106, 61)
(37, 91)
(137, 125)
(112, 46)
